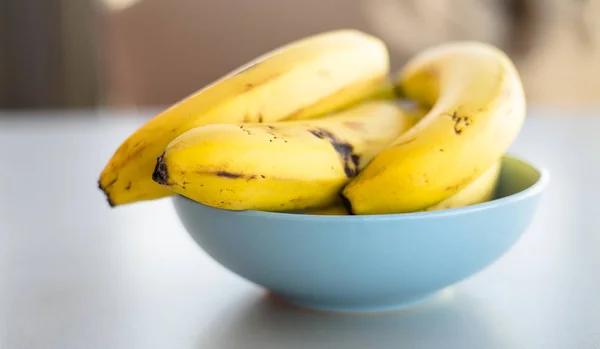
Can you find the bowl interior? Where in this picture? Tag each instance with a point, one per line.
(516, 176)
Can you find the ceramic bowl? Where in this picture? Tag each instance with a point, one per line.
(371, 262)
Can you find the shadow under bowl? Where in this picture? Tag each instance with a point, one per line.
(371, 262)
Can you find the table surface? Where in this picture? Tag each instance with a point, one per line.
(76, 274)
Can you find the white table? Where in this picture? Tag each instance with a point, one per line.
(75, 274)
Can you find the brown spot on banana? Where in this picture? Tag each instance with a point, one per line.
(106, 194)
(226, 174)
(355, 160)
(245, 130)
(317, 133)
(161, 173)
(248, 118)
(233, 175)
(108, 185)
(460, 122)
(344, 150)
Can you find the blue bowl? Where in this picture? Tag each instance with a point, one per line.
(372, 262)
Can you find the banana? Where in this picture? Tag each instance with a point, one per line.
(481, 190)
(337, 208)
(477, 110)
(283, 166)
(333, 210)
(301, 80)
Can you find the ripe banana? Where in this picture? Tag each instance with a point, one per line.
(481, 190)
(337, 209)
(304, 79)
(283, 166)
(477, 109)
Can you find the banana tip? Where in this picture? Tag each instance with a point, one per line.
(160, 174)
(347, 204)
(106, 194)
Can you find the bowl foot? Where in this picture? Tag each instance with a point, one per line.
(353, 308)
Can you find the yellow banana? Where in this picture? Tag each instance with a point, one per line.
(478, 108)
(480, 191)
(337, 209)
(282, 166)
(304, 79)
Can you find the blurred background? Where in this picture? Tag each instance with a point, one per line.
(72, 54)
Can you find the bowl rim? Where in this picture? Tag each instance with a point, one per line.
(536, 188)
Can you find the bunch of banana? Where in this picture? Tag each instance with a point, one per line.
(302, 80)
(280, 166)
(314, 127)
